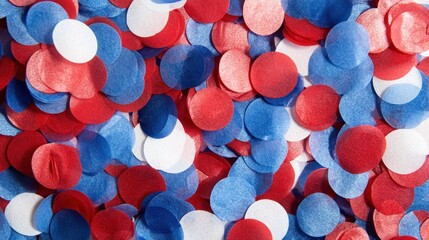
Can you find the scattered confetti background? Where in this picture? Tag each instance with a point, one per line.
(214, 119)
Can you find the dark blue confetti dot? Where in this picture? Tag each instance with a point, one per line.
(14, 183)
(94, 152)
(43, 214)
(17, 95)
(69, 225)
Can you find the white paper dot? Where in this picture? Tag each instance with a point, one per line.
(272, 214)
(75, 41)
(413, 77)
(19, 213)
(299, 54)
(298, 166)
(295, 132)
(186, 159)
(200, 224)
(164, 153)
(140, 138)
(406, 151)
(144, 21)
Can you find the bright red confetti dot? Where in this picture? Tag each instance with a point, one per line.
(386, 226)
(409, 30)
(4, 142)
(112, 224)
(359, 149)
(317, 107)
(74, 200)
(305, 29)
(121, 3)
(414, 179)
(207, 11)
(91, 111)
(263, 17)
(234, 68)
(136, 183)
(211, 168)
(354, 233)
(56, 166)
(228, 36)
(317, 181)
(30, 119)
(22, 3)
(8, 69)
(339, 230)
(390, 198)
(424, 230)
(274, 75)
(33, 70)
(282, 183)
(131, 41)
(211, 109)
(249, 229)
(392, 64)
(170, 34)
(23, 52)
(373, 22)
(115, 170)
(21, 149)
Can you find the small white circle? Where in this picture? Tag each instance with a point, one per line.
(406, 151)
(200, 224)
(164, 153)
(272, 214)
(143, 21)
(75, 41)
(19, 213)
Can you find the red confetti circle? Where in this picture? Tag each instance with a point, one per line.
(33, 70)
(317, 107)
(22, 3)
(112, 224)
(340, 229)
(136, 183)
(424, 230)
(386, 226)
(263, 17)
(282, 183)
(356, 233)
(56, 166)
(401, 7)
(409, 31)
(211, 168)
(8, 69)
(234, 68)
(390, 198)
(21, 119)
(131, 41)
(91, 111)
(170, 34)
(207, 11)
(121, 3)
(249, 229)
(211, 109)
(404, 238)
(4, 142)
(317, 181)
(359, 149)
(23, 52)
(392, 64)
(21, 149)
(305, 29)
(74, 200)
(279, 69)
(373, 21)
(228, 36)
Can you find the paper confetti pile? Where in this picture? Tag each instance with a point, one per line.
(214, 119)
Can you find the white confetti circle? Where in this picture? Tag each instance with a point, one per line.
(144, 21)
(200, 224)
(19, 213)
(75, 41)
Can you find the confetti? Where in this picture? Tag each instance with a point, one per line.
(249, 229)
(19, 213)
